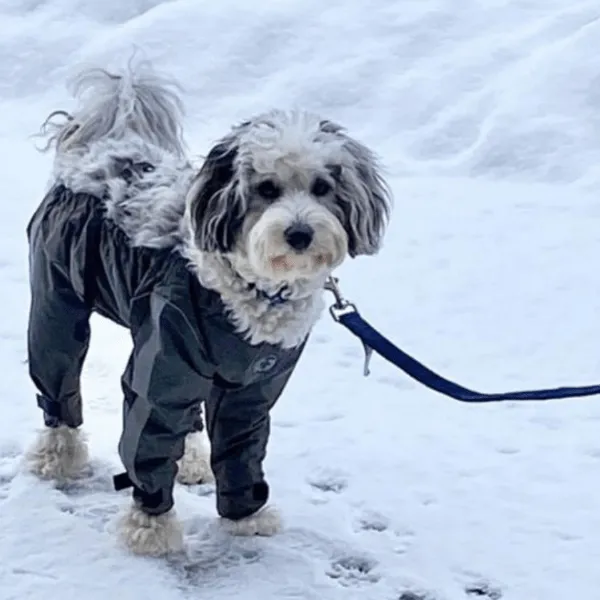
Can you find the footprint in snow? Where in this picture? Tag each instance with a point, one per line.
(212, 553)
(415, 596)
(92, 497)
(373, 521)
(483, 591)
(96, 478)
(99, 514)
(329, 481)
(352, 570)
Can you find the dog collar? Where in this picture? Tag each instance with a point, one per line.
(281, 296)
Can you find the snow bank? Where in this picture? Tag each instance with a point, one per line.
(468, 88)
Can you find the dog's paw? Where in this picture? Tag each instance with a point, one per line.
(59, 453)
(150, 535)
(266, 522)
(194, 466)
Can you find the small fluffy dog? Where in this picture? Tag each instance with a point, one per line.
(217, 271)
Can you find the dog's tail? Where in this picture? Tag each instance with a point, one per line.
(138, 101)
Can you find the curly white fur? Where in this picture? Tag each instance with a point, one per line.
(150, 535)
(59, 454)
(287, 324)
(194, 466)
(265, 522)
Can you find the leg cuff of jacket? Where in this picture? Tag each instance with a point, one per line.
(50, 407)
(239, 505)
(51, 411)
(155, 503)
(152, 504)
(56, 413)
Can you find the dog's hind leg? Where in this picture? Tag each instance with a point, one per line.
(58, 339)
(194, 466)
(55, 360)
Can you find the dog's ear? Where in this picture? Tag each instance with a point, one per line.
(215, 202)
(363, 197)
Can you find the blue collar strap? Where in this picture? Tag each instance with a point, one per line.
(346, 313)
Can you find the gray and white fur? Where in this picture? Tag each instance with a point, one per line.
(115, 106)
(278, 172)
(279, 202)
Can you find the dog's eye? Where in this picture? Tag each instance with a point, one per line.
(320, 187)
(146, 167)
(268, 190)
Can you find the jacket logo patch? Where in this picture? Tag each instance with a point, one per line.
(264, 364)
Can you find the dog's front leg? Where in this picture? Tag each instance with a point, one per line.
(58, 338)
(149, 526)
(150, 535)
(239, 426)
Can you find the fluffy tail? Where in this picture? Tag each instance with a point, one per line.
(138, 101)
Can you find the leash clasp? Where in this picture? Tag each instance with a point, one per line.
(342, 307)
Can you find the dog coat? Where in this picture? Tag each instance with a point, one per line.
(93, 248)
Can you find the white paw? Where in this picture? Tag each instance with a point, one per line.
(59, 453)
(266, 522)
(194, 466)
(149, 535)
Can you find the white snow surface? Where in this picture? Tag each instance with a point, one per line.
(486, 114)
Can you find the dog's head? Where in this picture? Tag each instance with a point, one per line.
(291, 194)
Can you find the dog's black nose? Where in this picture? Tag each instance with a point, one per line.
(299, 236)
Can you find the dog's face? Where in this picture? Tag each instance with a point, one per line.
(291, 194)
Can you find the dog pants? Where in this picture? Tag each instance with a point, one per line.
(185, 352)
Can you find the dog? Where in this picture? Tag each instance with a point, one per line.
(216, 269)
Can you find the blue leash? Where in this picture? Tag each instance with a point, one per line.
(345, 312)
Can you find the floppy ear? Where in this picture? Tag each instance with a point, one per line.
(216, 205)
(363, 197)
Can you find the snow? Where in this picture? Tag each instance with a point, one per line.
(485, 114)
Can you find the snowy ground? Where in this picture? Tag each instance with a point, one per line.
(486, 114)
